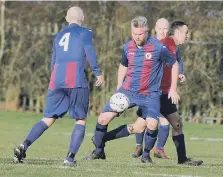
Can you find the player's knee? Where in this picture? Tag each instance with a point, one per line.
(152, 127)
(81, 121)
(48, 121)
(106, 117)
(163, 121)
(139, 125)
(102, 121)
(152, 124)
(178, 125)
(142, 129)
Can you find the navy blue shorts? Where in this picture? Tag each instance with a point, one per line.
(166, 106)
(60, 101)
(150, 104)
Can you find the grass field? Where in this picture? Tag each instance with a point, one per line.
(45, 157)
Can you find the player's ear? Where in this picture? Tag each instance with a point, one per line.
(66, 18)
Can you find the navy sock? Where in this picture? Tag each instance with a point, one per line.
(116, 133)
(162, 136)
(100, 132)
(180, 147)
(36, 131)
(139, 138)
(150, 139)
(76, 140)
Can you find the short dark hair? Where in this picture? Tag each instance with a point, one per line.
(175, 25)
(140, 21)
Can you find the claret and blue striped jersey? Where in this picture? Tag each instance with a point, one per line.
(71, 47)
(167, 72)
(145, 65)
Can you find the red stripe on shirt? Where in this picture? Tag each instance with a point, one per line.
(146, 69)
(167, 72)
(52, 79)
(130, 56)
(70, 77)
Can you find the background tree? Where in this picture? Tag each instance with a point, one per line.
(28, 29)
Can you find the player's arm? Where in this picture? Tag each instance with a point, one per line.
(180, 61)
(91, 55)
(53, 58)
(181, 67)
(122, 70)
(169, 59)
(174, 80)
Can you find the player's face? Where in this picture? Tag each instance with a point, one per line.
(139, 35)
(182, 33)
(161, 30)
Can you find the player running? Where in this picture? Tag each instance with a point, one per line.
(68, 87)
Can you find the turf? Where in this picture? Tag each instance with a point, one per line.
(45, 156)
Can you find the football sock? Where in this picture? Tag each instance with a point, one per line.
(163, 134)
(100, 132)
(76, 140)
(139, 138)
(150, 139)
(180, 147)
(116, 133)
(36, 131)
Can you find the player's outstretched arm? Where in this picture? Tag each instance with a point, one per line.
(91, 56)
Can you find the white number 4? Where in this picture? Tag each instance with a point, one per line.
(64, 41)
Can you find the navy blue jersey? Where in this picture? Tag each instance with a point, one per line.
(71, 47)
(145, 65)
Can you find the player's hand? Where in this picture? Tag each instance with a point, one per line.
(174, 96)
(182, 78)
(99, 80)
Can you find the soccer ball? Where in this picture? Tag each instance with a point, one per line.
(119, 102)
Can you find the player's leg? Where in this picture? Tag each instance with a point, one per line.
(169, 110)
(56, 106)
(100, 133)
(78, 109)
(77, 138)
(139, 140)
(150, 111)
(163, 133)
(150, 139)
(178, 138)
(119, 132)
(125, 130)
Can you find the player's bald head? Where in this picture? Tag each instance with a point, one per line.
(75, 14)
(162, 28)
(162, 21)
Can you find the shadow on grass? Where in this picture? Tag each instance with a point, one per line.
(33, 161)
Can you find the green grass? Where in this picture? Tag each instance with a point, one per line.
(45, 156)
